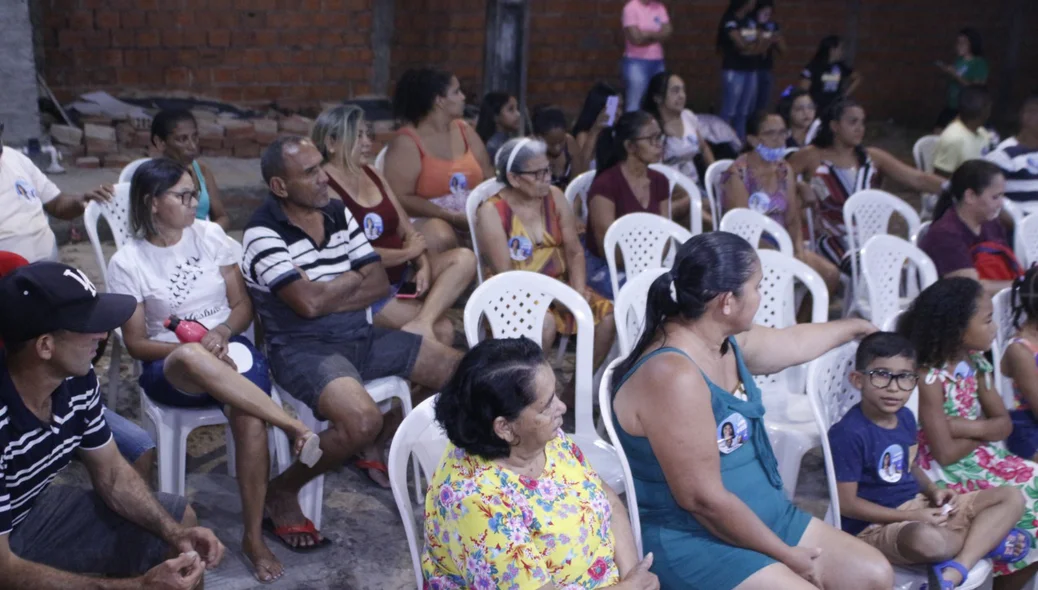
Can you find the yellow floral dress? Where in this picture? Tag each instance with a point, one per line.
(490, 528)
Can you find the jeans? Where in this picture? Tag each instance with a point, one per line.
(637, 73)
(739, 96)
(765, 79)
(131, 439)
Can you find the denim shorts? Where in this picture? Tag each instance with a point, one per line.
(160, 390)
(131, 439)
(306, 367)
(72, 529)
(598, 275)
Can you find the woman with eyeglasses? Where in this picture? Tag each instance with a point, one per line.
(177, 265)
(625, 184)
(530, 226)
(761, 180)
(174, 133)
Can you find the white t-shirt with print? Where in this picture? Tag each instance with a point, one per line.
(24, 190)
(182, 280)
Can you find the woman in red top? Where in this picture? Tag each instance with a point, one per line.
(436, 159)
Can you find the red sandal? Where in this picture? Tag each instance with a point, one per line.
(306, 528)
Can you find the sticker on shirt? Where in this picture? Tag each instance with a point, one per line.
(25, 190)
(732, 433)
(831, 80)
(962, 370)
(459, 184)
(373, 226)
(760, 202)
(891, 466)
(520, 248)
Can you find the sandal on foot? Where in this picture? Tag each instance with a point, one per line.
(311, 452)
(935, 575)
(1013, 548)
(364, 465)
(306, 528)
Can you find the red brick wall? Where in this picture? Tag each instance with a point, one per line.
(236, 50)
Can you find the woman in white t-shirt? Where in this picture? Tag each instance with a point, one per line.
(665, 100)
(185, 267)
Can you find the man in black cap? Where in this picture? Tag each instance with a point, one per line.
(51, 320)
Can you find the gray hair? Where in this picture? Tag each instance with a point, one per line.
(528, 148)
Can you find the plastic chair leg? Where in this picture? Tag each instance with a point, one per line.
(171, 458)
(113, 372)
(231, 454)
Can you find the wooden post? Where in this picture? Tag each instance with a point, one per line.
(382, 29)
(506, 55)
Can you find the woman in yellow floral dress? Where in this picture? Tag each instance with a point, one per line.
(514, 505)
(530, 226)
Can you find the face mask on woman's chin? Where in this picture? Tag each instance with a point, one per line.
(770, 154)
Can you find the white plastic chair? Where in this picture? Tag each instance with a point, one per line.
(127, 173)
(865, 214)
(749, 225)
(831, 395)
(643, 239)
(923, 152)
(696, 198)
(514, 305)
(1004, 331)
(886, 262)
(629, 309)
(1025, 241)
(380, 159)
(578, 188)
(918, 235)
(605, 403)
(171, 427)
(485, 190)
(788, 418)
(712, 182)
(421, 437)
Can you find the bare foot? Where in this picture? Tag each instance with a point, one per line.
(421, 328)
(283, 508)
(266, 564)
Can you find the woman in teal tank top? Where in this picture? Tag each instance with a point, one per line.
(691, 421)
(175, 133)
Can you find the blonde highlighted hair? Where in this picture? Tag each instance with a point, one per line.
(339, 127)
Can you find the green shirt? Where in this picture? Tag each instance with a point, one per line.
(974, 71)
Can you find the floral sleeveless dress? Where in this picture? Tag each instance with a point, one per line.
(991, 465)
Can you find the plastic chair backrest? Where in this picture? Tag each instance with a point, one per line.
(127, 173)
(485, 190)
(514, 304)
(696, 198)
(918, 235)
(643, 239)
(577, 188)
(778, 309)
(923, 152)
(867, 213)
(884, 259)
(116, 214)
(1004, 331)
(419, 434)
(380, 160)
(605, 404)
(1025, 241)
(712, 182)
(629, 308)
(749, 225)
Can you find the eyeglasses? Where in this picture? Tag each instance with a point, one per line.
(882, 378)
(654, 139)
(538, 175)
(185, 197)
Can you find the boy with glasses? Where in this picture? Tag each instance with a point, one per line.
(885, 498)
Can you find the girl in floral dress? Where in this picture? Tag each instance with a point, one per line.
(964, 421)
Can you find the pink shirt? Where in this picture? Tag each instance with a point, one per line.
(647, 17)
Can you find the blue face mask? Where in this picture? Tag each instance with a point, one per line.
(770, 154)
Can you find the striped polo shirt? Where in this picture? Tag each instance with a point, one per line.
(35, 451)
(275, 249)
(1020, 165)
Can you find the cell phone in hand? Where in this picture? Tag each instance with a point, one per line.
(408, 290)
(612, 103)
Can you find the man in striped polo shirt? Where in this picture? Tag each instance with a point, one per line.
(1018, 156)
(312, 275)
(52, 319)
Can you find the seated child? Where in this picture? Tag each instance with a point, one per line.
(887, 500)
(1020, 363)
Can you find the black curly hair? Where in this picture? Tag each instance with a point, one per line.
(495, 378)
(1025, 296)
(936, 321)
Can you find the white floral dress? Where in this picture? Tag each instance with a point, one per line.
(991, 465)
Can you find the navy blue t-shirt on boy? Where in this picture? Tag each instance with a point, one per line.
(876, 459)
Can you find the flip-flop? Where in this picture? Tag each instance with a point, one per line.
(306, 528)
(365, 464)
(1005, 554)
(311, 452)
(936, 580)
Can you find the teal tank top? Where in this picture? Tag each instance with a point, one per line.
(748, 465)
(203, 193)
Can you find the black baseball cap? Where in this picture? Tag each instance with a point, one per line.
(45, 297)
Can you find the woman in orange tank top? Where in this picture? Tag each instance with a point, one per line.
(436, 159)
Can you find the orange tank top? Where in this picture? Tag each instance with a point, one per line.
(441, 177)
